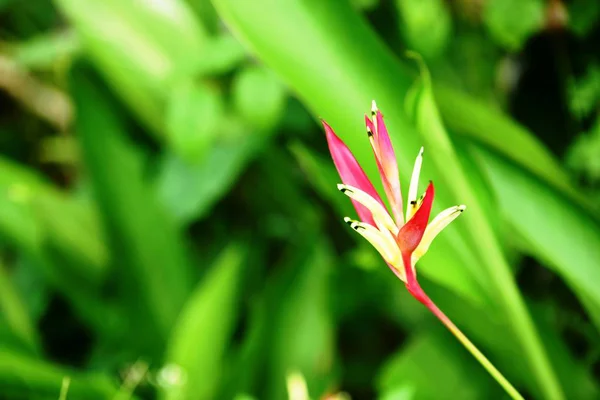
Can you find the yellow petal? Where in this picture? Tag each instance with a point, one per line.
(434, 228)
(381, 216)
(383, 241)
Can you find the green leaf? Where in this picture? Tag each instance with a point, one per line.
(140, 48)
(435, 356)
(564, 236)
(425, 25)
(221, 55)
(258, 97)
(483, 327)
(37, 218)
(193, 118)
(45, 51)
(200, 338)
(15, 316)
(511, 22)
(154, 273)
(190, 190)
(303, 338)
(25, 378)
(421, 105)
(583, 15)
(467, 117)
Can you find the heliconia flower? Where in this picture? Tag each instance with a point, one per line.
(401, 238)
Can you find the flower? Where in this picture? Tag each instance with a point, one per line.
(401, 238)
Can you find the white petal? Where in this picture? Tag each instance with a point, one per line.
(383, 241)
(434, 228)
(381, 216)
(296, 386)
(411, 206)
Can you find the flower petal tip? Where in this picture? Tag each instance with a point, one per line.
(341, 187)
(374, 108)
(354, 224)
(461, 208)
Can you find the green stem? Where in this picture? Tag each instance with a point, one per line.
(415, 289)
(502, 282)
(483, 360)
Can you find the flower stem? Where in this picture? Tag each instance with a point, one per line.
(483, 360)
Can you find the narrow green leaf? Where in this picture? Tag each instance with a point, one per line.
(15, 316)
(199, 340)
(36, 217)
(26, 378)
(190, 190)
(467, 117)
(560, 233)
(221, 55)
(154, 270)
(303, 338)
(512, 22)
(421, 105)
(426, 25)
(140, 48)
(43, 52)
(483, 327)
(193, 118)
(435, 356)
(258, 97)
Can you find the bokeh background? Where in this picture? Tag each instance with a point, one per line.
(170, 226)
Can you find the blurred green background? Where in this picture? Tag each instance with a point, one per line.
(170, 226)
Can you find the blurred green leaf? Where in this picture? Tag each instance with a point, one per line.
(44, 52)
(433, 364)
(422, 107)
(141, 47)
(483, 327)
(365, 4)
(303, 338)
(221, 54)
(321, 173)
(561, 234)
(204, 328)
(583, 15)
(584, 154)
(190, 190)
(15, 316)
(512, 22)
(35, 216)
(154, 274)
(426, 25)
(399, 393)
(258, 97)
(470, 118)
(25, 378)
(584, 93)
(193, 118)
(205, 12)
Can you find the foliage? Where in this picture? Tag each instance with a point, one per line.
(170, 227)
